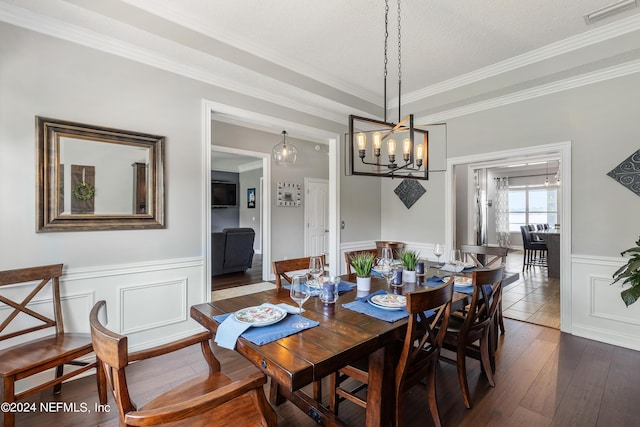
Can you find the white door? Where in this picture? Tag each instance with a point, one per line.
(316, 216)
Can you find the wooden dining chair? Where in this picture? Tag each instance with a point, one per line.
(211, 399)
(348, 255)
(282, 268)
(36, 352)
(419, 353)
(473, 332)
(488, 256)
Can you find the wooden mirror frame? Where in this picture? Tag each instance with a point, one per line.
(49, 212)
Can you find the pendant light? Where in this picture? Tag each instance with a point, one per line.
(284, 153)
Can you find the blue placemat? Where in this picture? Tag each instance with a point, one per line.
(362, 305)
(266, 334)
(342, 287)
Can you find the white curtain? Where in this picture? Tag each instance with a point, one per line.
(502, 212)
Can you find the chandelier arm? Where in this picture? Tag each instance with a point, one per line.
(399, 65)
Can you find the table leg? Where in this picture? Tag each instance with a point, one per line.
(380, 394)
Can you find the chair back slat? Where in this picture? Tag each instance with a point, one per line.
(45, 274)
(348, 255)
(424, 336)
(485, 256)
(485, 300)
(283, 267)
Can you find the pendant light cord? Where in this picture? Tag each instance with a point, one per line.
(386, 61)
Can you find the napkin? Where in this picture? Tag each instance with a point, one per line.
(266, 334)
(452, 268)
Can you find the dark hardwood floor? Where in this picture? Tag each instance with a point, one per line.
(544, 378)
(249, 277)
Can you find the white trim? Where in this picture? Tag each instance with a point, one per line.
(275, 125)
(621, 70)
(579, 41)
(563, 151)
(317, 105)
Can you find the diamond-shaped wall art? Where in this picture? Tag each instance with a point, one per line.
(409, 191)
(627, 173)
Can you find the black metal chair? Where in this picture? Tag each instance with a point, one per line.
(535, 252)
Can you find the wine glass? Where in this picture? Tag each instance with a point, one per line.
(316, 269)
(386, 265)
(455, 258)
(300, 294)
(438, 250)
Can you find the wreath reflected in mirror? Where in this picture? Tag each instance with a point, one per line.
(84, 191)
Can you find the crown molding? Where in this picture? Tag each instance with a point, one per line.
(621, 70)
(588, 38)
(172, 12)
(55, 28)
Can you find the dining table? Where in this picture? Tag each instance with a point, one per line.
(342, 337)
(551, 238)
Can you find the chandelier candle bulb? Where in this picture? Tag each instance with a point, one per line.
(406, 149)
(377, 143)
(391, 147)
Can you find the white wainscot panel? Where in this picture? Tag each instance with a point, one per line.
(598, 312)
(153, 305)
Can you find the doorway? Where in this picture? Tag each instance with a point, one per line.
(560, 151)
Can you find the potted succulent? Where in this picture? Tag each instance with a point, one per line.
(630, 272)
(362, 263)
(409, 260)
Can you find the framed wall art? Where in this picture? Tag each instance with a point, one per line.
(289, 195)
(251, 198)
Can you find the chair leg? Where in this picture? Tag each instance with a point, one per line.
(485, 358)
(8, 395)
(101, 382)
(59, 372)
(269, 416)
(462, 376)
(431, 396)
(524, 260)
(500, 318)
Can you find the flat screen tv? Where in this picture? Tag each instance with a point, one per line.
(223, 194)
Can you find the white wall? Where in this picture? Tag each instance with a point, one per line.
(250, 217)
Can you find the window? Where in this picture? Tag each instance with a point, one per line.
(532, 205)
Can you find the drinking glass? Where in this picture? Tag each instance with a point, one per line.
(316, 269)
(455, 258)
(438, 250)
(386, 265)
(300, 294)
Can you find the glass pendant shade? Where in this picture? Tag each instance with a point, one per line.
(284, 153)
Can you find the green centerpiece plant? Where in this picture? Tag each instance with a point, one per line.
(362, 263)
(409, 259)
(630, 272)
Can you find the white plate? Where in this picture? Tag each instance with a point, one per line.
(389, 301)
(459, 280)
(260, 315)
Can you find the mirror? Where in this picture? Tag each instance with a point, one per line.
(96, 178)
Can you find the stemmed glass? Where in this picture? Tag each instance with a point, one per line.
(455, 258)
(386, 264)
(316, 269)
(438, 250)
(300, 294)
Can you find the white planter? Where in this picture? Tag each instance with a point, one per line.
(363, 283)
(409, 276)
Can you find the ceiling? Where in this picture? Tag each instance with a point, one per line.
(325, 58)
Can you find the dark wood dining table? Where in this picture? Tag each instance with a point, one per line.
(342, 337)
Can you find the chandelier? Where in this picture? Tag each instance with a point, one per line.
(284, 153)
(387, 149)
